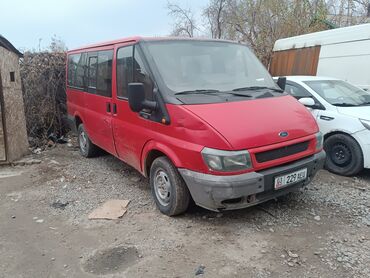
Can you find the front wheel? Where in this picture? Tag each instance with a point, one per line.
(169, 190)
(343, 155)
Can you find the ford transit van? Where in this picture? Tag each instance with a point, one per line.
(201, 119)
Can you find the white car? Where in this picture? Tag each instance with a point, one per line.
(342, 112)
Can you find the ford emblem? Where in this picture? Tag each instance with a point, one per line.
(283, 134)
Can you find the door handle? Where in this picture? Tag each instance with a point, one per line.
(108, 107)
(326, 118)
(114, 108)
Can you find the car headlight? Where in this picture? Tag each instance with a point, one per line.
(365, 123)
(319, 141)
(226, 161)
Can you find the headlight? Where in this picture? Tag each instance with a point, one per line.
(319, 141)
(365, 123)
(226, 161)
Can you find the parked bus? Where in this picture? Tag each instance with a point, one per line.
(202, 119)
(343, 53)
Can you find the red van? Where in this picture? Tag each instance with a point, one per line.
(202, 119)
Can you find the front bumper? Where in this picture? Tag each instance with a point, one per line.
(240, 191)
(363, 138)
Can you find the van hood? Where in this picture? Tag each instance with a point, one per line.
(256, 123)
(360, 112)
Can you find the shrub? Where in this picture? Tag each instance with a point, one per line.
(43, 85)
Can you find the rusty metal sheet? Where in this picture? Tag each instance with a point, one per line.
(302, 61)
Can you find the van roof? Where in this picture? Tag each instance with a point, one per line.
(340, 35)
(139, 38)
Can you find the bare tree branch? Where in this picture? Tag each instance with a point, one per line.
(185, 23)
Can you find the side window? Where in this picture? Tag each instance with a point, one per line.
(296, 91)
(92, 67)
(80, 72)
(141, 75)
(124, 70)
(73, 60)
(104, 73)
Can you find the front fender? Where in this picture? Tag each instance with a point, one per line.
(165, 149)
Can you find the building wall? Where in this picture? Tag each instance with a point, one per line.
(2, 131)
(13, 109)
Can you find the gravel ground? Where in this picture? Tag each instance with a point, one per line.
(322, 231)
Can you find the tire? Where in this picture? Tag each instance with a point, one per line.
(87, 148)
(343, 155)
(169, 190)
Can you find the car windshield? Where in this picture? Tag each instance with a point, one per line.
(340, 93)
(201, 67)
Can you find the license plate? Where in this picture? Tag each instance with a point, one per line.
(291, 178)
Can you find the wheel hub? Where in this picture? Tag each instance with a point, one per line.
(83, 141)
(341, 155)
(162, 187)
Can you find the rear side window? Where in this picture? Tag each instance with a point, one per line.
(131, 68)
(76, 70)
(91, 70)
(80, 72)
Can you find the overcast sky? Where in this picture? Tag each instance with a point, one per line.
(81, 22)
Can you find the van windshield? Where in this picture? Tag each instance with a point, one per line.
(208, 66)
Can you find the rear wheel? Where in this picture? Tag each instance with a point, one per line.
(169, 190)
(344, 155)
(87, 148)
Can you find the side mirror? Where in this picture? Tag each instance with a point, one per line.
(281, 82)
(307, 101)
(136, 98)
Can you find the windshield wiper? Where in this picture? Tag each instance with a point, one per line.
(256, 88)
(365, 103)
(212, 92)
(192, 92)
(238, 94)
(344, 104)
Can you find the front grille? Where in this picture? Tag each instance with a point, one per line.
(281, 152)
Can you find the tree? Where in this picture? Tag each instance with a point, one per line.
(348, 12)
(57, 45)
(259, 23)
(43, 86)
(215, 15)
(184, 20)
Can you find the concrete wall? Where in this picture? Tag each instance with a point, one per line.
(13, 109)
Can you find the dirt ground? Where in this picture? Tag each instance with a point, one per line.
(322, 231)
